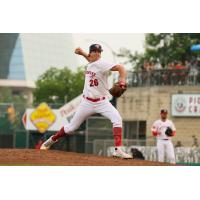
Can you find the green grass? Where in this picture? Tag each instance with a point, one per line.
(188, 164)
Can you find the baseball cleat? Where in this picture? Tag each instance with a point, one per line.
(118, 153)
(47, 144)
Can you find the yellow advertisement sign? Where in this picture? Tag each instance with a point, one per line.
(42, 117)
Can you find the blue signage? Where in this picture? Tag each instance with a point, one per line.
(195, 47)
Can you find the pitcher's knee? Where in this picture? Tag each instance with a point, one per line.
(117, 122)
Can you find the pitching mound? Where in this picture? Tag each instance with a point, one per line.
(32, 157)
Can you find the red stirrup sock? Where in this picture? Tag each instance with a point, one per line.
(117, 133)
(59, 134)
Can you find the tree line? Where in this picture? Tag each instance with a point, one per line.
(163, 48)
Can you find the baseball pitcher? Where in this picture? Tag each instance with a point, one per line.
(95, 98)
(163, 129)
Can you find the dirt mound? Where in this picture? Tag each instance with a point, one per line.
(32, 157)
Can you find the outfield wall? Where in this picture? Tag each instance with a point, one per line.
(144, 104)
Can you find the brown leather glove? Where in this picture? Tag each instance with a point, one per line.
(118, 89)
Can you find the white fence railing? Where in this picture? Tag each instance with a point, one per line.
(183, 154)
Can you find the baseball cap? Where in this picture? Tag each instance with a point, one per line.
(95, 47)
(163, 111)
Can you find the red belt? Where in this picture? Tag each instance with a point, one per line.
(94, 100)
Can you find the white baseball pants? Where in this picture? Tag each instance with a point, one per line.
(165, 146)
(87, 108)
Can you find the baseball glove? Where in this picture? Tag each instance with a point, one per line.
(169, 132)
(118, 89)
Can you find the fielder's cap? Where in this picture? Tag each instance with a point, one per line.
(163, 111)
(95, 47)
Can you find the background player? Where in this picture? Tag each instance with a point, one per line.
(95, 98)
(164, 143)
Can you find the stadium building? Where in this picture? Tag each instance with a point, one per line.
(179, 93)
(25, 56)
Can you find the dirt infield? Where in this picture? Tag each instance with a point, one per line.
(32, 157)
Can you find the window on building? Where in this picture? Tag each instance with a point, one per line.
(15, 92)
(134, 129)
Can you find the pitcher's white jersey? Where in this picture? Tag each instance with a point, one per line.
(96, 79)
(160, 127)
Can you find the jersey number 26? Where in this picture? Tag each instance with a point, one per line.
(94, 82)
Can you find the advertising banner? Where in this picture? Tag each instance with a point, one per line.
(43, 118)
(185, 105)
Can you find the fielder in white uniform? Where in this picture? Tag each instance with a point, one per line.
(164, 143)
(95, 99)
